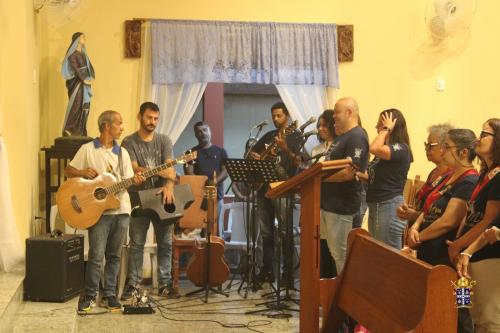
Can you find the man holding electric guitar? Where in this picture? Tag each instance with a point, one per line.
(100, 160)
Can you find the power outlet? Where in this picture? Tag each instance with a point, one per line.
(440, 84)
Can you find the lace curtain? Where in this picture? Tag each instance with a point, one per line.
(304, 102)
(244, 52)
(177, 102)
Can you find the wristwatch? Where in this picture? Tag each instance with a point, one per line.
(385, 128)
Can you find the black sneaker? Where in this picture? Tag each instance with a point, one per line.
(168, 292)
(128, 292)
(111, 303)
(86, 303)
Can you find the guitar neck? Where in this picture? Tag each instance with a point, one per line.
(211, 196)
(126, 183)
(289, 129)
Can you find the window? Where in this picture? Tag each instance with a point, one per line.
(244, 106)
(187, 139)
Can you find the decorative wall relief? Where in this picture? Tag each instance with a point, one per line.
(133, 38)
(345, 42)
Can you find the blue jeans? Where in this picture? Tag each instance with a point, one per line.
(163, 232)
(359, 217)
(384, 224)
(106, 239)
(335, 228)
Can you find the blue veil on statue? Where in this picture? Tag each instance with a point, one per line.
(77, 70)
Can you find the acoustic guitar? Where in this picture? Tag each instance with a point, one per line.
(210, 252)
(271, 152)
(81, 202)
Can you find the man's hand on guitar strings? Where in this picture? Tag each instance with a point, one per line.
(139, 178)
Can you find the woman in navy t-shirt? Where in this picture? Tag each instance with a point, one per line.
(483, 249)
(387, 177)
(446, 206)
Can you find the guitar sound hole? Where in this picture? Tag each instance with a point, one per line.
(169, 208)
(100, 193)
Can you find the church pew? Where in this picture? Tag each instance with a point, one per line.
(387, 291)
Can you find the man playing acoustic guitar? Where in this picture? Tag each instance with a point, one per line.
(107, 236)
(282, 144)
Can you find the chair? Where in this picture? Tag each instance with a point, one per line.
(236, 228)
(193, 218)
(411, 188)
(410, 196)
(151, 249)
(236, 224)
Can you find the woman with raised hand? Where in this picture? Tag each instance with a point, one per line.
(386, 177)
(434, 151)
(476, 251)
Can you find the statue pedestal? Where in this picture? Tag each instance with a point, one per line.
(56, 159)
(71, 141)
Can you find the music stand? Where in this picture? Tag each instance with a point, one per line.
(250, 172)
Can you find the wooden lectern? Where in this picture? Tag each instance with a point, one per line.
(308, 183)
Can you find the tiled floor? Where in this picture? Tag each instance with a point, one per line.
(187, 314)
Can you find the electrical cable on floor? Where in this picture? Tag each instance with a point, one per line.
(85, 314)
(271, 313)
(250, 325)
(163, 306)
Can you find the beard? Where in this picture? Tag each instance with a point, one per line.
(148, 128)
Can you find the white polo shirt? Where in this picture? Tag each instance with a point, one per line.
(94, 155)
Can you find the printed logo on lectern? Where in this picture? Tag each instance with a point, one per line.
(463, 291)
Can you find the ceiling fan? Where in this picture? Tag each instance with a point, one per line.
(448, 24)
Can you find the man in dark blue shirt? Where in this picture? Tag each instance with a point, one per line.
(340, 200)
(208, 160)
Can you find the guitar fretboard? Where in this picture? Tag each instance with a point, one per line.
(126, 183)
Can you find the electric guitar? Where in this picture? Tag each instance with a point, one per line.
(81, 202)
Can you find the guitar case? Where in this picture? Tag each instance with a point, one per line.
(151, 204)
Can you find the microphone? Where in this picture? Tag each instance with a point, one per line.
(307, 123)
(308, 134)
(260, 125)
(317, 156)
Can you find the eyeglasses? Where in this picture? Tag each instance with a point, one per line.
(429, 145)
(484, 134)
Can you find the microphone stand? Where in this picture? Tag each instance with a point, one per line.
(245, 156)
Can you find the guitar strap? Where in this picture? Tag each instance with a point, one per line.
(120, 163)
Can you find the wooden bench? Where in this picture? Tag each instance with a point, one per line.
(387, 291)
